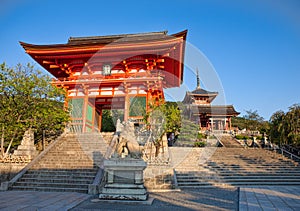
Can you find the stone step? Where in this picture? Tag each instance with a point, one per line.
(67, 163)
(66, 166)
(55, 159)
(249, 158)
(68, 158)
(51, 184)
(236, 166)
(86, 157)
(261, 164)
(245, 168)
(207, 184)
(59, 180)
(88, 164)
(78, 152)
(71, 165)
(257, 180)
(224, 165)
(248, 181)
(248, 166)
(238, 178)
(61, 166)
(79, 146)
(37, 177)
(266, 170)
(241, 174)
(254, 155)
(234, 160)
(77, 172)
(51, 189)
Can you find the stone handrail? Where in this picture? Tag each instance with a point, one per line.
(219, 140)
(94, 187)
(284, 152)
(175, 179)
(6, 185)
(290, 155)
(292, 149)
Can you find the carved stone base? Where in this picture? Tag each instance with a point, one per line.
(124, 179)
(124, 194)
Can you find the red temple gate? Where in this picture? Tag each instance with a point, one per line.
(124, 72)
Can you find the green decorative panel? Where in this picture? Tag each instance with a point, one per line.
(137, 106)
(89, 113)
(76, 106)
(96, 123)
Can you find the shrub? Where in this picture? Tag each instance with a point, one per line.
(259, 137)
(201, 136)
(199, 144)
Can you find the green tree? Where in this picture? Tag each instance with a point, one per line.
(239, 122)
(163, 117)
(276, 121)
(108, 124)
(189, 133)
(173, 117)
(253, 120)
(137, 106)
(292, 121)
(28, 100)
(171, 114)
(285, 127)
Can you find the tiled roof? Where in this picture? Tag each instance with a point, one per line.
(200, 91)
(188, 99)
(119, 37)
(214, 110)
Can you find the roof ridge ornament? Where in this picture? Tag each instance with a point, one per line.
(117, 36)
(198, 79)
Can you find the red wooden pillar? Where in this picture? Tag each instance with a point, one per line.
(126, 107)
(100, 119)
(85, 104)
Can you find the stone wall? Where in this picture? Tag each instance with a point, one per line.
(9, 170)
(159, 177)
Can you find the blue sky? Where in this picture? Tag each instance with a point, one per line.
(254, 46)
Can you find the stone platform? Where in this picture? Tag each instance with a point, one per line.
(124, 179)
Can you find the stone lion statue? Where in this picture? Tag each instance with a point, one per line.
(127, 145)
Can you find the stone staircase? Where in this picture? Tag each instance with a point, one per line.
(229, 142)
(183, 157)
(70, 165)
(238, 167)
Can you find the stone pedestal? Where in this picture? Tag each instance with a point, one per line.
(27, 148)
(124, 179)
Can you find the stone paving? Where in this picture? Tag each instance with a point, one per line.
(187, 199)
(269, 198)
(30, 200)
(249, 198)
